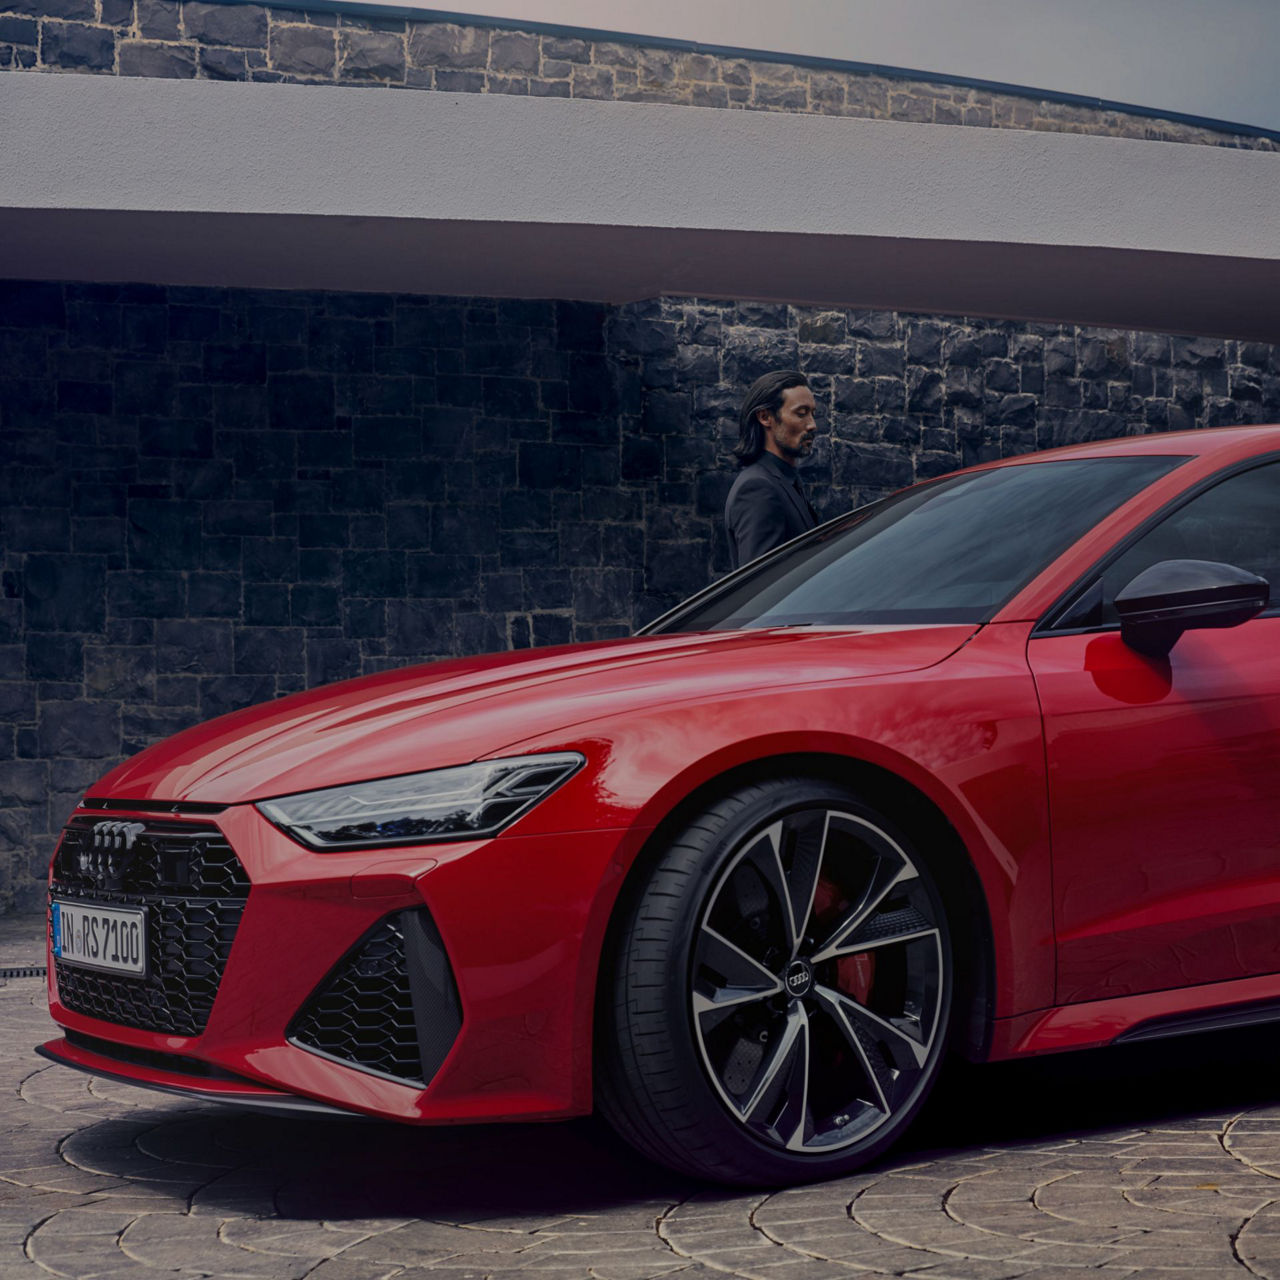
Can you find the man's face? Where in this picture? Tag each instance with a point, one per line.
(789, 432)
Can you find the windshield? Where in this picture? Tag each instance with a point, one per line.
(951, 551)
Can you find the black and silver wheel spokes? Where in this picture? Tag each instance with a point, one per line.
(738, 979)
(892, 1053)
(817, 981)
(777, 1102)
(787, 858)
(863, 924)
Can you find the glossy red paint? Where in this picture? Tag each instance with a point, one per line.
(1085, 783)
(965, 733)
(433, 716)
(1094, 1023)
(1190, 897)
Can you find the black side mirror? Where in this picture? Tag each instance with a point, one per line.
(1186, 595)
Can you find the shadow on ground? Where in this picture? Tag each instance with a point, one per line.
(1129, 1086)
(334, 1169)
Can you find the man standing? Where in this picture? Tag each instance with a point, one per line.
(767, 506)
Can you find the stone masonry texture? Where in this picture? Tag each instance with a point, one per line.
(194, 39)
(214, 497)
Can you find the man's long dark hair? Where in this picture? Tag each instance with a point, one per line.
(768, 393)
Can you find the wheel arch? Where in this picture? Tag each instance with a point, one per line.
(915, 813)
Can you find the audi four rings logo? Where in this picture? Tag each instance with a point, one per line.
(112, 849)
(799, 978)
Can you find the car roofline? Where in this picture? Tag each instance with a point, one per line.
(1206, 441)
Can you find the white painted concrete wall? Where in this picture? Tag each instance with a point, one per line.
(99, 142)
(289, 186)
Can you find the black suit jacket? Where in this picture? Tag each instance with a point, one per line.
(765, 508)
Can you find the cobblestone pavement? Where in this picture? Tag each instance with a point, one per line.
(1164, 1161)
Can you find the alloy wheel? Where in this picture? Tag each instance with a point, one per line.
(817, 981)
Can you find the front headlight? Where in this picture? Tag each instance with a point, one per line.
(463, 803)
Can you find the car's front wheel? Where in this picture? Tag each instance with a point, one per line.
(778, 1002)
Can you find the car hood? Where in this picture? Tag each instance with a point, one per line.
(446, 713)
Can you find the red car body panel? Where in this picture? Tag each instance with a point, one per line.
(433, 716)
(1007, 734)
(967, 734)
(1093, 1023)
(1163, 797)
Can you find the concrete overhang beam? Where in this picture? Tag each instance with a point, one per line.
(310, 187)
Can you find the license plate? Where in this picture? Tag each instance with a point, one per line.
(96, 937)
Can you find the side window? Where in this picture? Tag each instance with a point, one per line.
(1236, 522)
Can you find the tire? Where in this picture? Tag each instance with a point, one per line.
(780, 993)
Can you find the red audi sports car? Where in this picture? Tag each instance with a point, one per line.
(991, 766)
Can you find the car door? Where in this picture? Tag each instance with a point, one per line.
(1164, 786)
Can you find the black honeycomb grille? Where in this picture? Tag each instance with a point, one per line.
(166, 858)
(390, 1007)
(193, 888)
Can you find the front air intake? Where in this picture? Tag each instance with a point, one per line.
(390, 1007)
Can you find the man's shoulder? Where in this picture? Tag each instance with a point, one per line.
(753, 476)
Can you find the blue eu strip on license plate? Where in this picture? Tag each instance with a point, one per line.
(94, 936)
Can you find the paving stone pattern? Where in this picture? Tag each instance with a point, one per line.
(101, 1179)
(211, 497)
(193, 39)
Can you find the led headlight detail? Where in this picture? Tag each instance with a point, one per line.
(463, 803)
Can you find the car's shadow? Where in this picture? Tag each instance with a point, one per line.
(1128, 1086)
(321, 1168)
(329, 1169)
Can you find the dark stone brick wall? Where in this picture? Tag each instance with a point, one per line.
(211, 497)
(197, 39)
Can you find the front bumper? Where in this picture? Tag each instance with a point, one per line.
(443, 983)
(114, 1062)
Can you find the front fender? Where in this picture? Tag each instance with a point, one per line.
(966, 733)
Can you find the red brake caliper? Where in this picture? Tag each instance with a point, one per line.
(856, 973)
